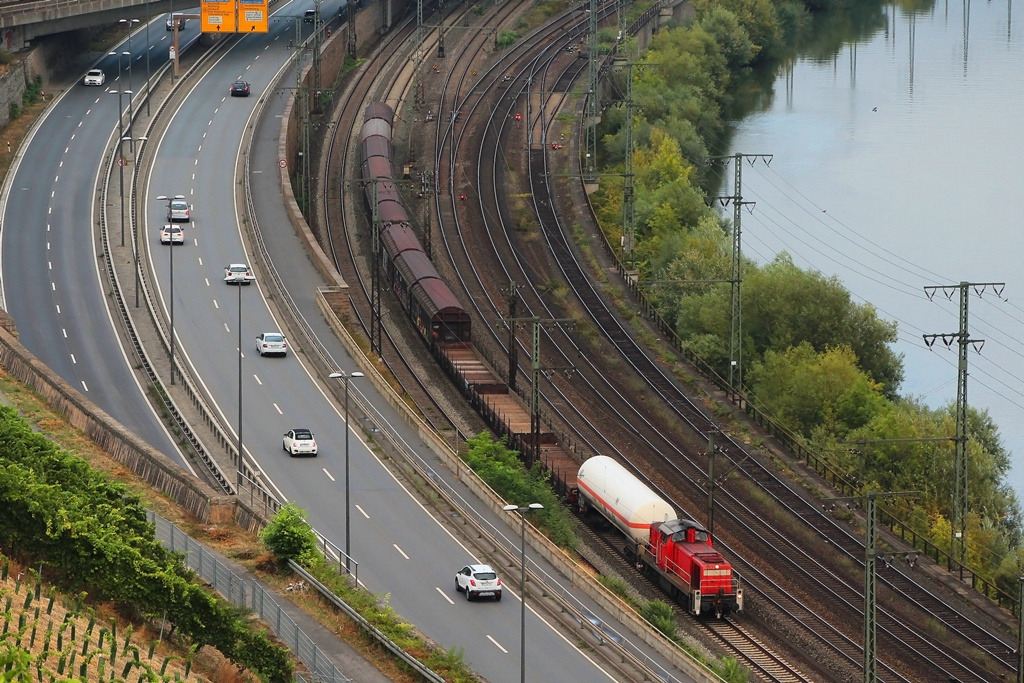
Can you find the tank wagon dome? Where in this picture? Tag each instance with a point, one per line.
(376, 127)
(625, 500)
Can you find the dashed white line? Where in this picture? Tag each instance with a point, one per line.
(215, 304)
(257, 378)
(226, 328)
(444, 595)
(58, 309)
(200, 261)
(362, 511)
(207, 282)
(53, 286)
(73, 359)
(64, 330)
(497, 644)
(49, 264)
(277, 408)
(84, 385)
(328, 474)
(400, 551)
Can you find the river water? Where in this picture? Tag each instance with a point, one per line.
(898, 166)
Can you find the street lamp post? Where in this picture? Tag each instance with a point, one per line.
(348, 526)
(128, 23)
(168, 199)
(238, 475)
(148, 47)
(120, 141)
(135, 234)
(522, 581)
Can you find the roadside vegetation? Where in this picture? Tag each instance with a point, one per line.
(817, 362)
(91, 535)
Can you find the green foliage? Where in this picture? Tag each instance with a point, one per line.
(15, 110)
(289, 536)
(661, 616)
(34, 92)
(505, 473)
(7, 57)
(730, 670)
(68, 516)
(507, 39)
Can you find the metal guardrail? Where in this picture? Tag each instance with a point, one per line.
(250, 594)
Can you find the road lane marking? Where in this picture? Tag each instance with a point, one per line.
(84, 385)
(53, 286)
(497, 644)
(362, 511)
(207, 281)
(73, 359)
(58, 309)
(257, 378)
(200, 260)
(328, 474)
(278, 408)
(444, 595)
(215, 304)
(64, 330)
(400, 551)
(226, 328)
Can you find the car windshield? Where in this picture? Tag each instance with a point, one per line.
(239, 84)
(178, 205)
(273, 337)
(303, 435)
(486, 576)
(95, 72)
(238, 269)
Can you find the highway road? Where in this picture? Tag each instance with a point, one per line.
(403, 553)
(52, 284)
(50, 272)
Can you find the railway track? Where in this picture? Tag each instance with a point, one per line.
(503, 84)
(681, 407)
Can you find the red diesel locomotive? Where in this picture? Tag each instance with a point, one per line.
(678, 551)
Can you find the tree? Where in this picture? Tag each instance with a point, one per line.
(289, 536)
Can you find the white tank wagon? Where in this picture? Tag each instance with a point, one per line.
(621, 498)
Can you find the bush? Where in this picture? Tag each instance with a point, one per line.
(661, 616)
(15, 110)
(289, 536)
(507, 39)
(34, 92)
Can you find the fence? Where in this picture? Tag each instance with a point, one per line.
(249, 594)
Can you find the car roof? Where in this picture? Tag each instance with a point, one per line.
(272, 334)
(95, 71)
(481, 568)
(238, 265)
(302, 430)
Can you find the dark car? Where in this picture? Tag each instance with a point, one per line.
(239, 89)
(170, 23)
(309, 16)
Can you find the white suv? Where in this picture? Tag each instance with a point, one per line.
(478, 581)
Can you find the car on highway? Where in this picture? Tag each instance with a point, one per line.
(309, 16)
(172, 234)
(170, 23)
(239, 89)
(271, 342)
(299, 442)
(238, 273)
(94, 77)
(178, 211)
(478, 581)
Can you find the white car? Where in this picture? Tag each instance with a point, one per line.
(239, 274)
(478, 581)
(172, 234)
(299, 442)
(95, 77)
(178, 211)
(271, 342)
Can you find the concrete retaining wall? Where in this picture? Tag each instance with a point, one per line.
(201, 501)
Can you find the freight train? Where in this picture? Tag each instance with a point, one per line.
(407, 269)
(677, 551)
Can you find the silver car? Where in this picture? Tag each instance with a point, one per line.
(178, 211)
(299, 442)
(271, 342)
(95, 77)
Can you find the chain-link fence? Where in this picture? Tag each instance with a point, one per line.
(249, 594)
